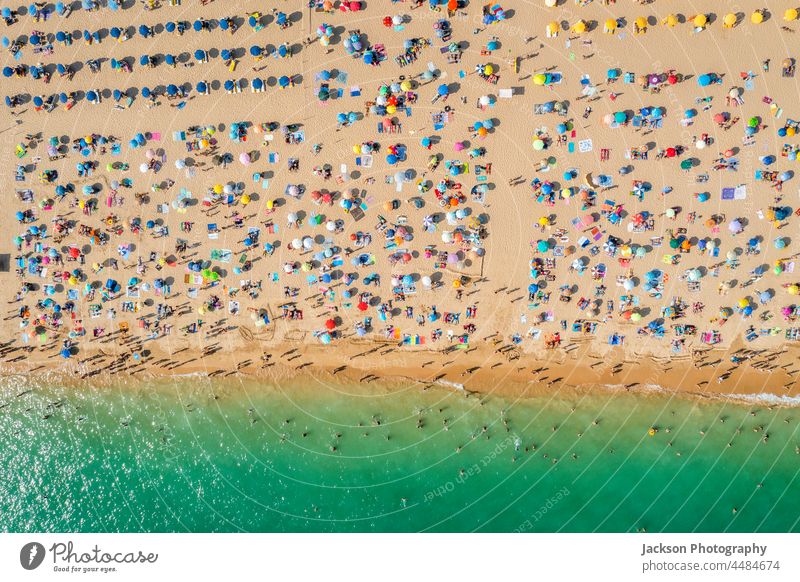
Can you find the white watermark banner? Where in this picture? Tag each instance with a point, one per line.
(388, 557)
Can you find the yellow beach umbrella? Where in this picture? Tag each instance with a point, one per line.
(405, 85)
(552, 29)
(671, 20)
(757, 17)
(610, 26)
(539, 79)
(729, 20)
(550, 3)
(793, 289)
(579, 27)
(641, 22)
(790, 14)
(700, 20)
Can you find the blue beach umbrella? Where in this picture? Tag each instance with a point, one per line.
(256, 50)
(258, 83)
(225, 54)
(283, 81)
(200, 54)
(91, 96)
(202, 87)
(8, 71)
(37, 101)
(146, 92)
(144, 59)
(169, 27)
(169, 59)
(223, 24)
(115, 32)
(443, 90)
(198, 26)
(228, 85)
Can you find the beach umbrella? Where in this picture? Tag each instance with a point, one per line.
(610, 25)
(790, 14)
(225, 54)
(200, 54)
(169, 26)
(202, 87)
(65, 353)
(757, 17)
(443, 90)
(256, 50)
(229, 85)
(686, 164)
(169, 59)
(729, 20)
(579, 27)
(172, 90)
(198, 25)
(8, 71)
(144, 30)
(284, 81)
(538, 145)
(330, 324)
(780, 243)
(146, 92)
(700, 20)
(244, 158)
(704, 80)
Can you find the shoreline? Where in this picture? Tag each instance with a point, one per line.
(482, 371)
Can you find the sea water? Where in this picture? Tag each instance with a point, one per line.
(192, 455)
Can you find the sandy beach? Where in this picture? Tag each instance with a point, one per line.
(622, 215)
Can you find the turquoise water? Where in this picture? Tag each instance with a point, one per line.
(204, 457)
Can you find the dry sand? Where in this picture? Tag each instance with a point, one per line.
(497, 284)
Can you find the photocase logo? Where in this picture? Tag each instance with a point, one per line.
(32, 555)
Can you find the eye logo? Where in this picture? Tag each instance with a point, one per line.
(31, 555)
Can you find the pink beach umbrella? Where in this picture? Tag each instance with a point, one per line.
(244, 158)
